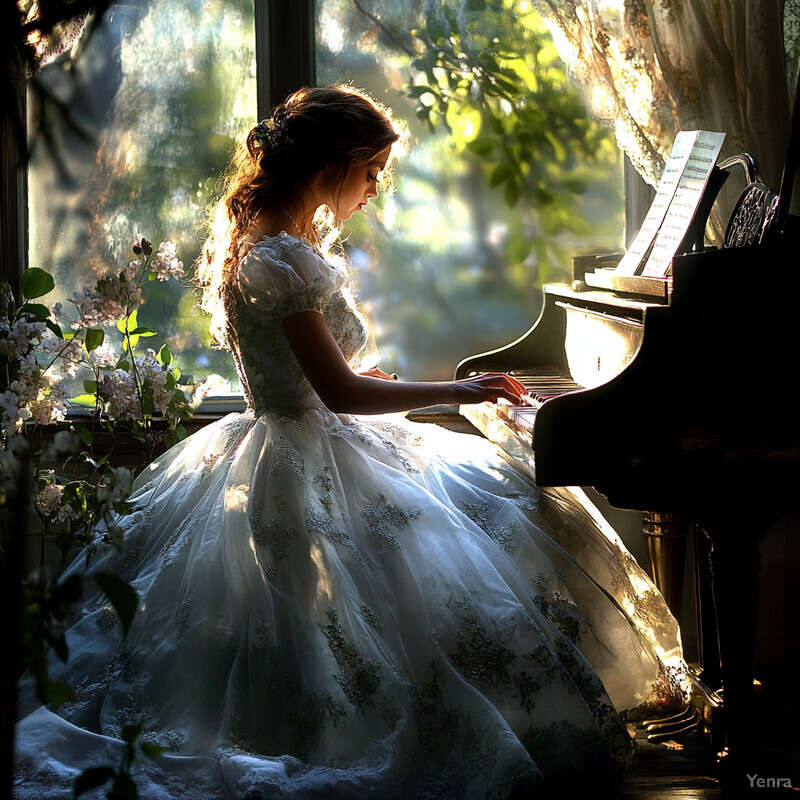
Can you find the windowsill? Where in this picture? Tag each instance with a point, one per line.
(221, 405)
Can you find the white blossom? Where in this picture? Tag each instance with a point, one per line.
(19, 337)
(67, 442)
(15, 413)
(68, 352)
(117, 390)
(103, 356)
(116, 298)
(48, 499)
(116, 487)
(166, 263)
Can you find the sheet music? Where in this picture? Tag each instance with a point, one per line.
(673, 169)
(685, 175)
(686, 199)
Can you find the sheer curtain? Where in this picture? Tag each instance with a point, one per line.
(654, 67)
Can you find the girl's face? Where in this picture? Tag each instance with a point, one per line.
(359, 184)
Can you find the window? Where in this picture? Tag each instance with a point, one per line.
(444, 266)
(162, 90)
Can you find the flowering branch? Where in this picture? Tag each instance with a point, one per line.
(39, 348)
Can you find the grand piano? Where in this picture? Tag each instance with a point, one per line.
(678, 396)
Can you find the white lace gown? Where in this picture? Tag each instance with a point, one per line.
(335, 606)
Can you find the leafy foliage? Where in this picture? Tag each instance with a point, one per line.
(489, 73)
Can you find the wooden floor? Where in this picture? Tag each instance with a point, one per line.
(687, 769)
(692, 774)
(683, 769)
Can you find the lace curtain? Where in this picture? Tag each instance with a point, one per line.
(652, 68)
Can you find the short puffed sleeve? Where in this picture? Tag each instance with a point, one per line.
(282, 275)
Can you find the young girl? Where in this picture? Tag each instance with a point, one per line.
(346, 606)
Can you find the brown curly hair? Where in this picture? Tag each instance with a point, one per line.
(314, 127)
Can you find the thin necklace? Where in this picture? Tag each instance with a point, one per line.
(290, 217)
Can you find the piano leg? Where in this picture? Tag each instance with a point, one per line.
(735, 564)
(665, 538)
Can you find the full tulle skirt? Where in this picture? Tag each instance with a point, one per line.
(337, 606)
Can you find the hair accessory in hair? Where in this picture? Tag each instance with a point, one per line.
(270, 135)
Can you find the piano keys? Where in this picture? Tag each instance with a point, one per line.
(581, 340)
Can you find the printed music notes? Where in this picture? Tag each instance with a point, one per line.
(678, 196)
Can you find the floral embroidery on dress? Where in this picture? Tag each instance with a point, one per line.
(208, 462)
(350, 428)
(320, 522)
(324, 480)
(562, 612)
(175, 544)
(90, 691)
(272, 531)
(503, 535)
(532, 500)
(25, 774)
(358, 677)
(235, 429)
(381, 515)
(479, 657)
(284, 459)
(184, 615)
(370, 617)
(408, 464)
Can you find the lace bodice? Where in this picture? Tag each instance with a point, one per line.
(279, 276)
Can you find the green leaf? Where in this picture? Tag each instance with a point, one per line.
(417, 91)
(60, 648)
(143, 332)
(576, 186)
(55, 328)
(94, 338)
(35, 282)
(153, 750)
(84, 433)
(37, 310)
(84, 400)
(519, 248)
(130, 733)
(122, 596)
(130, 322)
(92, 778)
(90, 386)
(164, 355)
(480, 147)
(512, 193)
(502, 172)
(123, 788)
(69, 590)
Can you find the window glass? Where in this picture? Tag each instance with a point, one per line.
(161, 91)
(446, 267)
